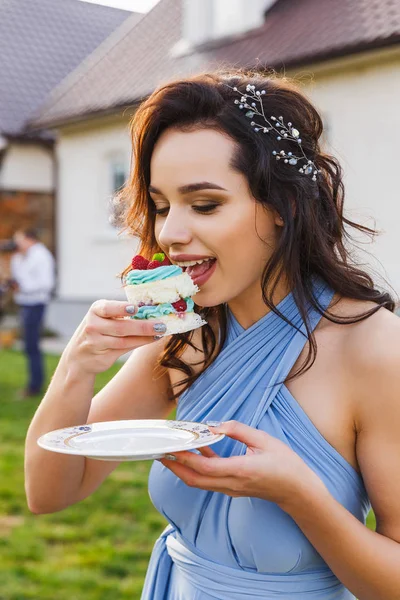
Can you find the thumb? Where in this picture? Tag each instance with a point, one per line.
(243, 433)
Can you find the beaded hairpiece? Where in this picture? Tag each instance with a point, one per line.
(252, 101)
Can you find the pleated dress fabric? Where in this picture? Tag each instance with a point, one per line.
(221, 548)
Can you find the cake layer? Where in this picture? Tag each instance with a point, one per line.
(155, 311)
(180, 324)
(162, 290)
(139, 276)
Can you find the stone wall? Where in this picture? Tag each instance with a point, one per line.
(26, 210)
(20, 210)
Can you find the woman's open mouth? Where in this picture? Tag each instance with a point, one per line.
(202, 272)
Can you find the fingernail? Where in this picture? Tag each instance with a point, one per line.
(160, 327)
(131, 310)
(214, 423)
(158, 337)
(170, 456)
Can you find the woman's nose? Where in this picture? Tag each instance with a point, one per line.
(174, 230)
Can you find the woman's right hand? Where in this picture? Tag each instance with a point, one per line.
(106, 333)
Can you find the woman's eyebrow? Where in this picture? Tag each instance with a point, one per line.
(191, 187)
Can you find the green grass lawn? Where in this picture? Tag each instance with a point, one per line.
(95, 550)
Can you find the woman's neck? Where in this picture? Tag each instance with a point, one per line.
(249, 307)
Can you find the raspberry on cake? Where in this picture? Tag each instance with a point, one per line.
(180, 306)
(162, 291)
(139, 262)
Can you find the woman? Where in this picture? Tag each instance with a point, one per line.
(298, 362)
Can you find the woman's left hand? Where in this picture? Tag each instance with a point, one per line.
(269, 470)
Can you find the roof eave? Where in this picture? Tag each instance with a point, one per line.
(34, 137)
(334, 53)
(63, 121)
(290, 63)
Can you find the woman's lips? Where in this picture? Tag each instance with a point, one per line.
(201, 273)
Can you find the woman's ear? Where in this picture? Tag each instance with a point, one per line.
(277, 217)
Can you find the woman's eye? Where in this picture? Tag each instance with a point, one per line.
(205, 208)
(161, 211)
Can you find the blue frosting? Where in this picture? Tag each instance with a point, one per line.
(137, 276)
(159, 310)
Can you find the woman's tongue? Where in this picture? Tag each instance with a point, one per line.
(197, 270)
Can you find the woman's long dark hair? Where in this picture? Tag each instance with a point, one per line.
(315, 231)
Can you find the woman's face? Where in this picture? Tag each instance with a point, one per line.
(205, 210)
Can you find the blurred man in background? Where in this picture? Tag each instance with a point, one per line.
(33, 279)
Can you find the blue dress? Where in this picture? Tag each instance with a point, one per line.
(222, 548)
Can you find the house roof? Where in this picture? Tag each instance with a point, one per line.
(40, 42)
(139, 58)
(126, 67)
(298, 32)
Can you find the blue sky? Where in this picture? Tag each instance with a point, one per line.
(136, 5)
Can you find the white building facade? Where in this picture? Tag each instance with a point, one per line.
(93, 161)
(357, 96)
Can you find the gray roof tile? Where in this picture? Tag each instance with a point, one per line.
(127, 66)
(138, 57)
(302, 31)
(41, 41)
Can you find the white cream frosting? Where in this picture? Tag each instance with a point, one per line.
(162, 290)
(176, 324)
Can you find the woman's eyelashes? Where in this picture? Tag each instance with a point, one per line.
(199, 208)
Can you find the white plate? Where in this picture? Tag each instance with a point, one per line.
(145, 439)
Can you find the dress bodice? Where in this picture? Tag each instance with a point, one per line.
(245, 534)
(257, 535)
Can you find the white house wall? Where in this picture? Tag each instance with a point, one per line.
(359, 101)
(90, 253)
(27, 167)
(206, 19)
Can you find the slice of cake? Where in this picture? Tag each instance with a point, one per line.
(162, 291)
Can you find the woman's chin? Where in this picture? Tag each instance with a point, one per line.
(208, 299)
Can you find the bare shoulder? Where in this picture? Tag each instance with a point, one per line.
(374, 341)
(372, 353)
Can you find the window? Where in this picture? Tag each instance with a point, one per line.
(114, 171)
(119, 174)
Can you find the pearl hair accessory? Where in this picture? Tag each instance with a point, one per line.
(253, 102)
